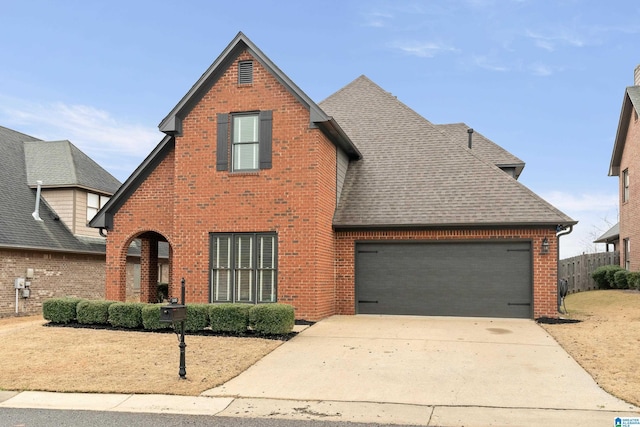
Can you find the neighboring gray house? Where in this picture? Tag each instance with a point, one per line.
(57, 254)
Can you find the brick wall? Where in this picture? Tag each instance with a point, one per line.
(150, 208)
(55, 275)
(630, 210)
(544, 267)
(295, 198)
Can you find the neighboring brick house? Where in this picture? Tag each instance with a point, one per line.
(57, 255)
(354, 205)
(625, 161)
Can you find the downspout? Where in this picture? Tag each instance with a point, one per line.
(560, 231)
(102, 233)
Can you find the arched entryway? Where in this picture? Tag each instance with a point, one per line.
(148, 269)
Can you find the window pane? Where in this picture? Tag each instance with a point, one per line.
(220, 268)
(266, 288)
(266, 252)
(91, 212)
(245, 156)
(244, 285)
(221, 252)
(221, 280)
(103, 201)
(244, 252)
(93, 200)
(245, 129)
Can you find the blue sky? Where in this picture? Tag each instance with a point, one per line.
(543, 79)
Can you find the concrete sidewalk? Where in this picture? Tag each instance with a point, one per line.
(393, 370)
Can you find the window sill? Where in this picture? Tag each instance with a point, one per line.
(244, 173)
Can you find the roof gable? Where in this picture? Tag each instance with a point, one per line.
(630, 104)
(172, 123)
(412, 174)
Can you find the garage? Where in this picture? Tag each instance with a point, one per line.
(474, 279)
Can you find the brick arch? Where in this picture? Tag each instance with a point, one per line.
(116, 288)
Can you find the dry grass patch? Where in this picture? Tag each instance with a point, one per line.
(37, 357)
(606, 341)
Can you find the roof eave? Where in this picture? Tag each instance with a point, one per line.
(333, 130)
(387, 226)
(46, 249)
(621, 135)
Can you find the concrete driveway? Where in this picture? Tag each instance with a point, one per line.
(443, 370)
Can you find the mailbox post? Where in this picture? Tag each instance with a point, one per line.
(175, 313)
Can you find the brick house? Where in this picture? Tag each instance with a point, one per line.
(353, 205)
(44, 238)
(624, 161)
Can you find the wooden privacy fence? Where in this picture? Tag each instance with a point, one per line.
(577, 270)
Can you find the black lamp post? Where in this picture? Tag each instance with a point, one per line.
(183, 368)
(177, 313)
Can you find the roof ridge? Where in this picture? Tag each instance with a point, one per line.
(74, 169)
(33, 138)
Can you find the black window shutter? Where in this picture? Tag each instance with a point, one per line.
(266, 120)
(222, 148)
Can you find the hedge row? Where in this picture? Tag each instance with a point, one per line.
(265, 319)
(616, 277)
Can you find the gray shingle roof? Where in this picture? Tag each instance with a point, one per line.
(62, 164)
(610, 235)
(482, 146)
(18, 229)
(411, 174)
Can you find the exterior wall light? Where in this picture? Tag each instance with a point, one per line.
(544, 248)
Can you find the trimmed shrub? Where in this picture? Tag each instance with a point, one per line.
(231, 318)
(620, 279)
(151, 317)
(126, 314)
(272, 319)
(599, 275)
(60, 310)
(633, 279)
(93, 312)
(197, 317)
(603, 276)
(611, 275)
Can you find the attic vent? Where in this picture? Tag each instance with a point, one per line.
(245, 72)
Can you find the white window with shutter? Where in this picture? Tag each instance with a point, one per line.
(245, 142)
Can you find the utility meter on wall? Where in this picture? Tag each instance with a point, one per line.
(18, 283)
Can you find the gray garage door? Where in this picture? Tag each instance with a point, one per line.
(444, 279)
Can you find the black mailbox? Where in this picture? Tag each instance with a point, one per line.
(173, 312)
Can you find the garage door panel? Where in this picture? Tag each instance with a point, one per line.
(444, 279)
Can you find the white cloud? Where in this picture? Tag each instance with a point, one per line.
(377, 19)
(423, 49)
(542, 70)
(114, 143)
(489, 64)
(555, 38)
